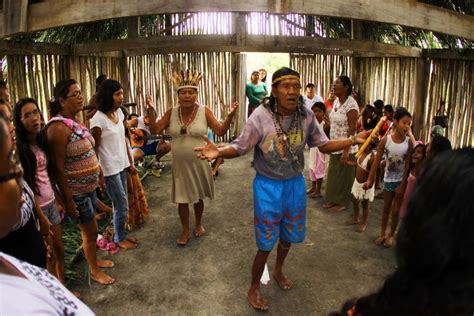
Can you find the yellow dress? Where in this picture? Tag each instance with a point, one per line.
(192, 177)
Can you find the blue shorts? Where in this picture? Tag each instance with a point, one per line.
(86, 205)
(279, 210)
(149, 149)
(52, 213)
(391, 186)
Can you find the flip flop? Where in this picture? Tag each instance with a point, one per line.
(113, 248)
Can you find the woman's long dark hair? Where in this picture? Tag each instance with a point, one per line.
(27, 157)
(105, 96)
(434, 250)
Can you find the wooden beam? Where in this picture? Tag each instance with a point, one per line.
(248, 43)
(465, 54)
(133, 26)
(51, 14)
(15, 16)
(19, 48)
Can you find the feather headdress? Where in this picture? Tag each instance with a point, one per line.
(186, 79)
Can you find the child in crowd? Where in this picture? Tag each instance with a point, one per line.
(359, 194)
(416, 163)
(396, 145)
(317, 160)
(37, 161)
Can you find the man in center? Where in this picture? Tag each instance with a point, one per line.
(278, 129)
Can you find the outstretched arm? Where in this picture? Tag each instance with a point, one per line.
(211, 152)
(221, 129)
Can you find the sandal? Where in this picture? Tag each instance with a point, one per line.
(112, 248)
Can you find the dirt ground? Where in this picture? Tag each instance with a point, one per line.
(211, 274)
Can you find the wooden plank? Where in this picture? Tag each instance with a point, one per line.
(403, 12)
(15, 16)
(249, 43)
(465, 54)
(17, 48)
(133, 25)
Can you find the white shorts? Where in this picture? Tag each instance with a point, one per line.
(359, 193)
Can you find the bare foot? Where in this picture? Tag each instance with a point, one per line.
(199, 231)
(379, 241)
(132, 239)
(105, 264)
(101, 277)
(310, 190)
(337, 208)
(314, 195)
(352, 221)
(256, 300)
(361, 228)
(388, 242)
(127, 245)
(328, 205)
(183, 239)
(76, 294)
(283, 282)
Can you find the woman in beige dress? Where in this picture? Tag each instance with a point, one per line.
(188, 123)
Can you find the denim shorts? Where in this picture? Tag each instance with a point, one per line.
(86, 205)
(52, 213)
(391, 186)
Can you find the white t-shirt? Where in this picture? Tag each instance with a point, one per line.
(112, 150)
(339, 123)
(309, 102)
(39, 293)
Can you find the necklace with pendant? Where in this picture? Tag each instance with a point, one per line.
(284, 140)
(184, 127)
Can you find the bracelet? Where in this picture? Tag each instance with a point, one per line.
(352, 138)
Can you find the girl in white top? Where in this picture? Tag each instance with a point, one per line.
(108, 130)
(396, 145)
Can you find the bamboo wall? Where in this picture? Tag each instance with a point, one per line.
(452, 81)
(390, 79)
(321, 70)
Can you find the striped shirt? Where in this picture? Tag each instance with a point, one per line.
(81, 165)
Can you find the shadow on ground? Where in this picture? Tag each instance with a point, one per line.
(211, 275)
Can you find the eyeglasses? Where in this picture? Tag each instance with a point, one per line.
(16, 171)
(75, 94)
(35, 113)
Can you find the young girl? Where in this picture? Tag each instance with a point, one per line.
(317, 160)
(395, 145)
(416, 162)
(33, 151)
(364, 164)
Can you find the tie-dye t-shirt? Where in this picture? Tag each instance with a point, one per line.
(269, 160)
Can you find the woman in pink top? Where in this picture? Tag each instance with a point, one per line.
(35, 159)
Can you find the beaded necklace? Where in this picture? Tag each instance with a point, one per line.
(184, 127)
(285, 142)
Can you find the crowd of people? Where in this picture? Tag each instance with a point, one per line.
(55, 168)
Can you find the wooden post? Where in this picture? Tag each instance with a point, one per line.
(419, 98)
(240, 28)
(133, 27)
(15, 16)
(356, 70)
(125, 77)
